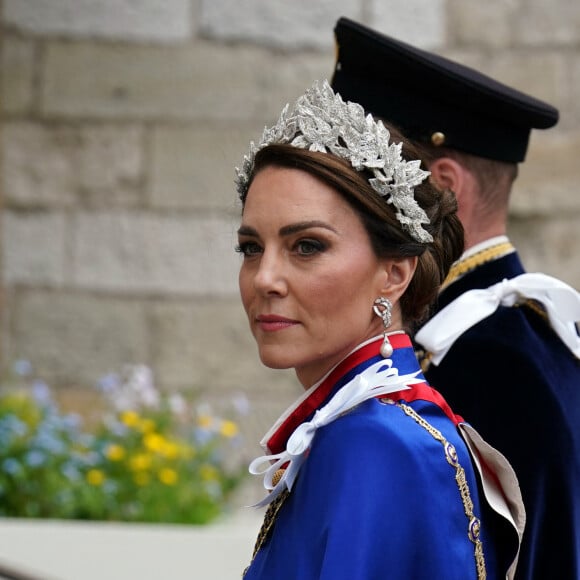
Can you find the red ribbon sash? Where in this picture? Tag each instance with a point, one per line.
(421, 391)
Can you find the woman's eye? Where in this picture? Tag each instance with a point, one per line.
(248, 249)
(309, 247)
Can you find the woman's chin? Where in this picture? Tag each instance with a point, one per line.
(275, 359)
(275, 363)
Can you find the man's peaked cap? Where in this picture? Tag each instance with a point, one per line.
(433, 99)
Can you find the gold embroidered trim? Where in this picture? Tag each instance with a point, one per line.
(474, 524)
(462, 267)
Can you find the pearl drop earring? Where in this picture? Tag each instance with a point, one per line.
(383, 308)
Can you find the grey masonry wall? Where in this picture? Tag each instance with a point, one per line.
(122, 122)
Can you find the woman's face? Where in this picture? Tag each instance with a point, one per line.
(309, 276)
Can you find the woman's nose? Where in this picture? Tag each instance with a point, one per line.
(270, 276)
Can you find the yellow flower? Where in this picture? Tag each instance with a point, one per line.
(21, 405)
(130, 418)
(146, 425)
(154, 442)
(115, 452)
(170, 450)
(168, 476)
(208, 472)
(140, 462)
(141, 478)
(95, 477)
(229, 429)
(205, 421)
(186, 451)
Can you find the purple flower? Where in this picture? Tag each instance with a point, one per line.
(22, 367)
(41, 393)
(109, 382)
(11, 466)
(35, 458)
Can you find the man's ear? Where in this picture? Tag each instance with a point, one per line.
(446, 173)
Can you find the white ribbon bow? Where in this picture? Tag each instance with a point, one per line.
(378, 379)
(562, 304)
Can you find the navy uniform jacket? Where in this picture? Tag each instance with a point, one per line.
(376, 497)
(519, 386)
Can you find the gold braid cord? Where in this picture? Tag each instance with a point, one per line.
(268, 523)
(466, 265)
(474, 524)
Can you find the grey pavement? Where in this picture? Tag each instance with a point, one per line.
(72, 550)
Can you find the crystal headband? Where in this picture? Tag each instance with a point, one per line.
(321, 121)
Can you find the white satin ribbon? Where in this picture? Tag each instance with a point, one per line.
(562, 304)
(378, 379)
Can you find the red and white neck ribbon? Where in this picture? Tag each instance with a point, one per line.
(562, 304)
(377, 380)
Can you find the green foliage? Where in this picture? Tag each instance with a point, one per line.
(150, 458)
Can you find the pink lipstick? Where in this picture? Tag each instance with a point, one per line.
(272, 322)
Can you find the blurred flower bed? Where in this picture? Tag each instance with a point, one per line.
(149, 457)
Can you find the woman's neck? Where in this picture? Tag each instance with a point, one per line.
(308, 383)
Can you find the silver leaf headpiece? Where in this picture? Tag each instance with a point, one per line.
(321, 121)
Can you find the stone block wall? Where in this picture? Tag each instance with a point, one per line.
(122, 122)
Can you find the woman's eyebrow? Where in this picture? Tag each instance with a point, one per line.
(245, 230)
(300, 226)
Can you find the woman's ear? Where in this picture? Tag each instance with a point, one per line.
(398, 273)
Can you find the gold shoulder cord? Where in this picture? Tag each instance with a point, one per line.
(474, 524)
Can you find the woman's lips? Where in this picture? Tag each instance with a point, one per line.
(272, 323)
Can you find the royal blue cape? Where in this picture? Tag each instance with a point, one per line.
(376, 497)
